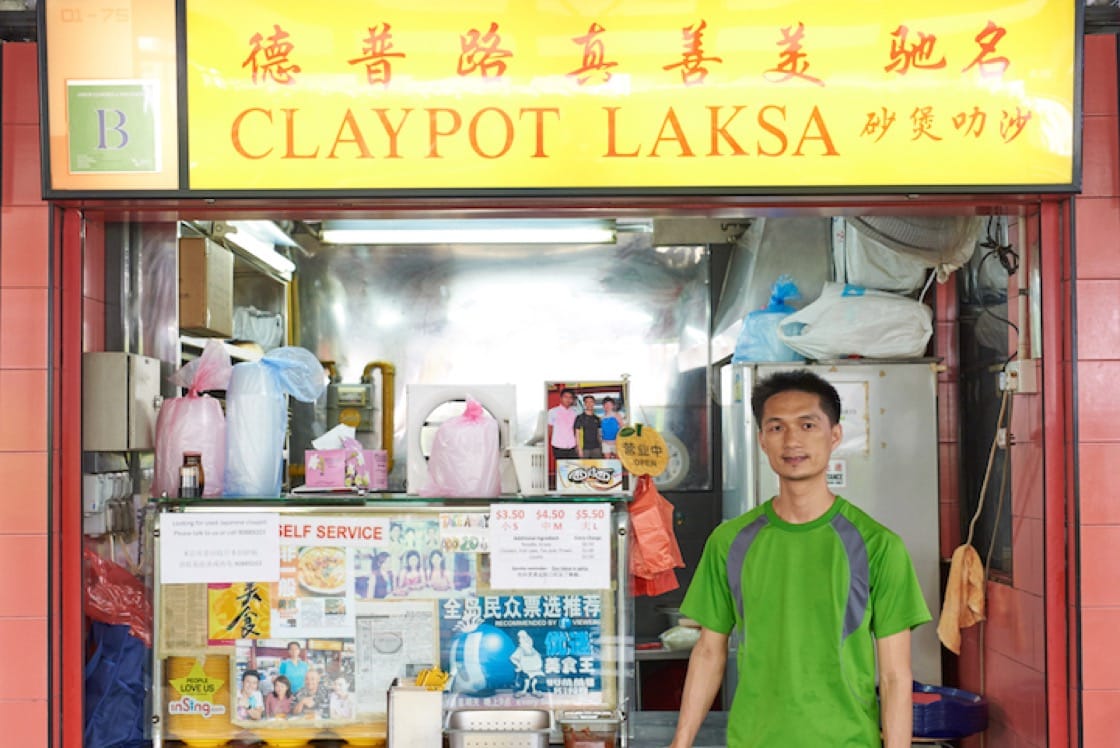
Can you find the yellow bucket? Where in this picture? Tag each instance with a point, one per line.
(197, 700)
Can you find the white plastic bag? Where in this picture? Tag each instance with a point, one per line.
(194, 423)
(863, 260)
(854, 321)
(465, 459)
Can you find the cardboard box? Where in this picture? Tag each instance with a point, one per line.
(205, 288)
(360, 469)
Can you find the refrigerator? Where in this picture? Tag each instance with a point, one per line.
(886, 464)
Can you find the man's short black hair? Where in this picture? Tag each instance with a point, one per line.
(798, 380)
(251, 674)
(567, 391)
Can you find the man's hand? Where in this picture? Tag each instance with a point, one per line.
(705, 676)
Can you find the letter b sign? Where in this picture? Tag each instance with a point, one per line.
(110, 129)
(113, 127)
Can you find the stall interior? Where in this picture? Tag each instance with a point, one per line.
(402, 335)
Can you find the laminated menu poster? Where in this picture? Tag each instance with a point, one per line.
(280, 682)
(523, 650)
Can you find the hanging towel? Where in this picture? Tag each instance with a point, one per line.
(964, 597)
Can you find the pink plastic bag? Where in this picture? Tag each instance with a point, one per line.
(194, 423)
(465, 459)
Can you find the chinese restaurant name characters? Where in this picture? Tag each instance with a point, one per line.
(485, 54)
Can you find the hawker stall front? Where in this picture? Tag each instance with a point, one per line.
(406, 334)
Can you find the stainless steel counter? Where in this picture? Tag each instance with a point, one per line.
(655, 730)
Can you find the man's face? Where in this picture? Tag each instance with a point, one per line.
(566, 399)
(251, 684)
(796, 436)
(293, 651)
(312, 680)
(588, 404)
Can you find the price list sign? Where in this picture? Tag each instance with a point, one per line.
(550, 546)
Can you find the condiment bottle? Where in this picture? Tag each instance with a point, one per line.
(192, 480)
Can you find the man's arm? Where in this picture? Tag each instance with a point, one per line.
(705, 676)
(896, 679)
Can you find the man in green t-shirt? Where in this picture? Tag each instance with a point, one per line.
(814, 590)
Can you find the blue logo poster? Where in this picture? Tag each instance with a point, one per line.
(506, 650)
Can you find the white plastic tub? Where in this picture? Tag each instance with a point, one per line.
(498, 728)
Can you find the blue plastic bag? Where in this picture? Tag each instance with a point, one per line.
(758, 340)
(116, 685)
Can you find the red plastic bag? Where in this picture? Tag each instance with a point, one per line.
(115, 596)
(654, 552)
(194, 423)
(465, 459)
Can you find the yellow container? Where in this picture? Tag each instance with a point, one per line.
(365, 735)
(197, 700)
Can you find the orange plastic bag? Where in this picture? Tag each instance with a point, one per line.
(654, 552)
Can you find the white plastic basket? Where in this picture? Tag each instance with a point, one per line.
(529, 466)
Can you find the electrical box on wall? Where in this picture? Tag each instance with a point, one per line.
(205, 288)
(119, 396)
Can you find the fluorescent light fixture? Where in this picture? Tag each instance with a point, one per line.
(266, 230)
(469, 231)
(258, 239)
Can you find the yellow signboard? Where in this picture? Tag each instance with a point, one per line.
(626, 96)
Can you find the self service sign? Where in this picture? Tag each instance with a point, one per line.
(212, 97)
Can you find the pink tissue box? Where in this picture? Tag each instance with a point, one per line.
(365, 469)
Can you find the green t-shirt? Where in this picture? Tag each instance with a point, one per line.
(806, 604)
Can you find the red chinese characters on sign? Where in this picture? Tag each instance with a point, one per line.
(965, 123)
(377, 55)
(878, 123)
(990, 66)
(906, 54)
(970, 123)
(595, 66)
(270, 61)
(922, 120)
(482, 53)
(1011, 125)
(792, 62)
(693, 59)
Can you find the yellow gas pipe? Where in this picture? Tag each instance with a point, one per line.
(388, 375)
